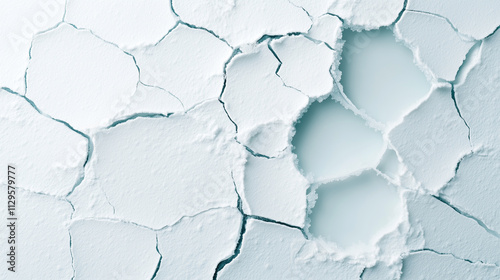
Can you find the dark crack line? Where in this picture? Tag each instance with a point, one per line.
(235, 52)
(267, 220)
(90, 145)
(405, 4)
(224, 84)
(494, 31)
(159, 261)
(195, 26)
(467, 215)
(276, 72)
(71, 254)
(136, 116)
(462, 35)
(276, 37)
(459, 113)
(444, 254)
(466, 60)
(237, 249)
(253, 153)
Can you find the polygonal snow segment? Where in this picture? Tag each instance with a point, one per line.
(271, 251)
(332, 142)
(50, 154)
(478, 97)
(113, 250)
(255, 97)
(177, 166)
(193, 248)
(187, 62)
(428, 264)
(476, 19)
(78, 78)
(357, 212)
(243, 22)
(135, 23)
(305, 65)
(432, 139)
(20, 21)
(275, 189)
(379, 76)
(434, 43)
(42, 243)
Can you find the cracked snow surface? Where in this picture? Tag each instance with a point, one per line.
(238, 139)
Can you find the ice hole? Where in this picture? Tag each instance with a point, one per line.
(379, 75)
(356, 212)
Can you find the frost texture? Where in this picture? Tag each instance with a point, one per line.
(251, 139)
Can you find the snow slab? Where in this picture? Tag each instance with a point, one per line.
(476, 19)
(188, 62)
(275, 189)
(49, 154)
(194, 247)
(76, 77)
(270, 251)
(439, 227)
(305, 65)
(20, 21)
(243, 22)
(328, 29)
(361, 14)
(474, 189)
(42, 239)
(432, 139)
(478, 99)
(254, 96)
(188, 160)
(431, 265)
(128, 24)
(113, 250)
(434, 43)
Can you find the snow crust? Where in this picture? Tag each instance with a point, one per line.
(434, 42)
(58, 166)
(238, 139)
(243, 22)
(124, 250)
(44, 229)
(474, 19)
(135, 23)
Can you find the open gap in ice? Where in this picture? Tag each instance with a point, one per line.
(356, 212)
(331, 142)
(379, 75)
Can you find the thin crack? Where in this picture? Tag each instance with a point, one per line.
(239, 243)
(253, 153)
(459, 113)
(303, 9)
(90, 145)
(405, 4)
(197, 27)
(444, 254)
(159, 261)
(463, 36)
(468, 59)
(71, 254)
(267, 220)
(276, 72)
(138, 115)
(160, 88)
(467, 215)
